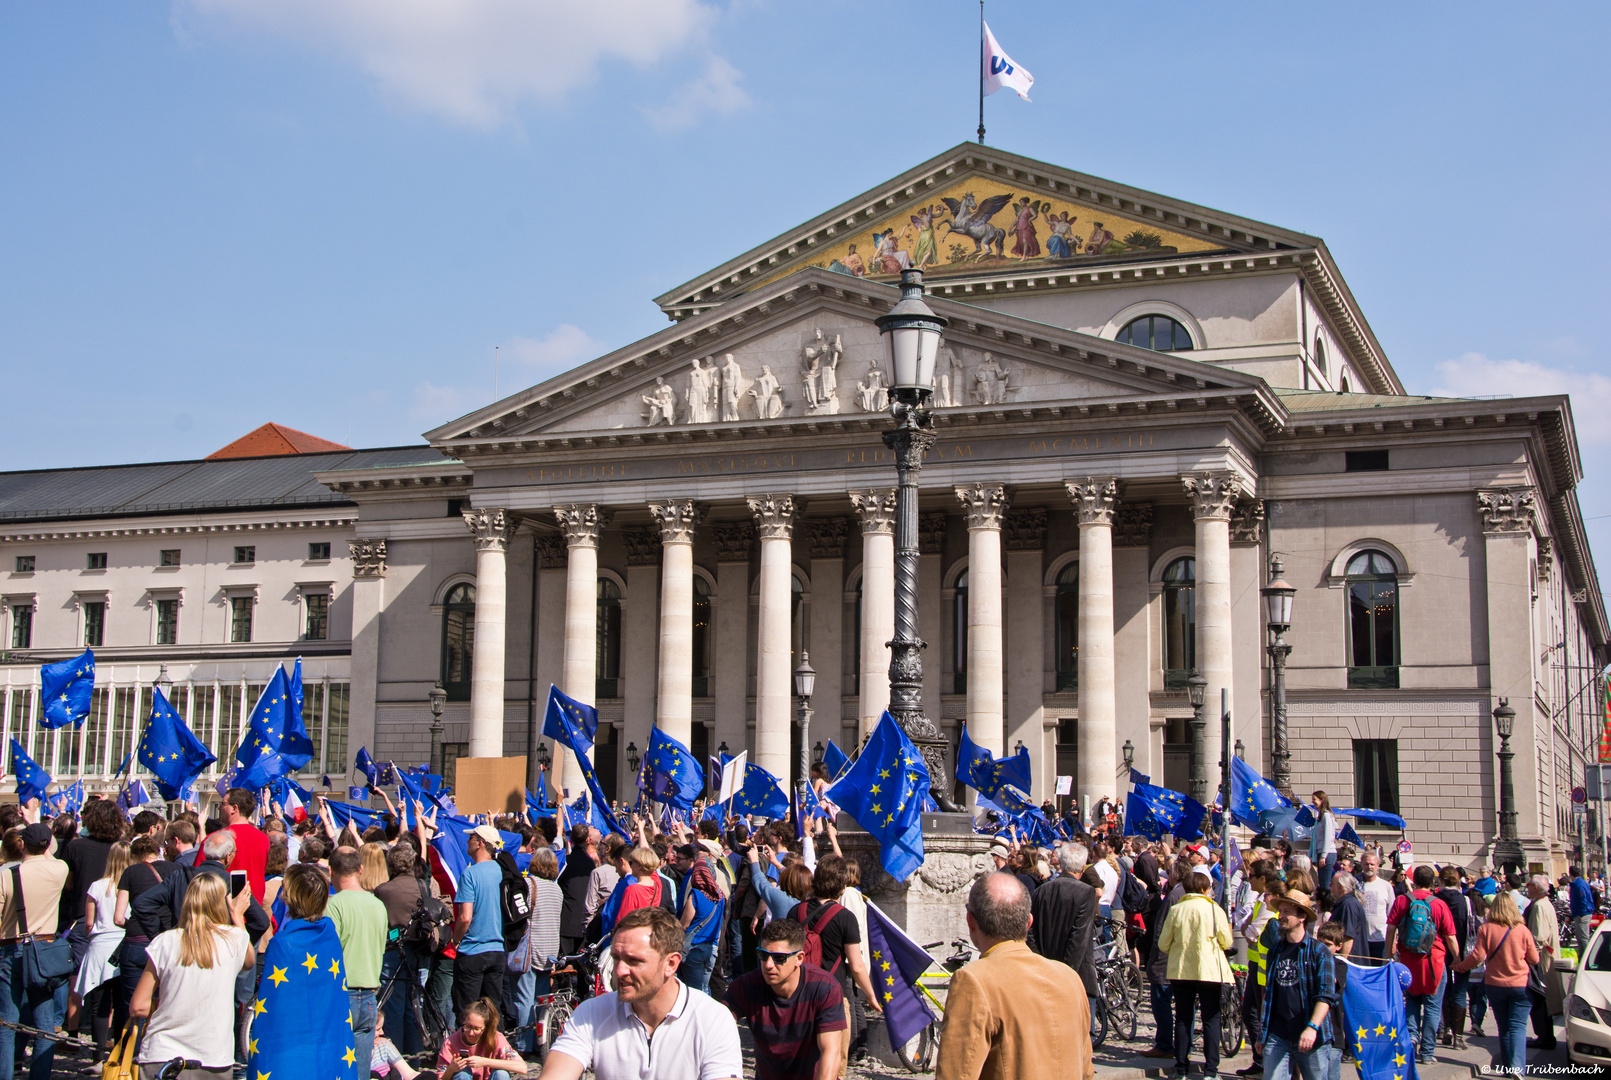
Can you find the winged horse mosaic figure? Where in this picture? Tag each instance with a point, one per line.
(971, 218)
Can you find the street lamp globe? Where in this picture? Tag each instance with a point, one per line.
(1278, 596)
(816, 753)
(1196, 689)
(1129, 754)
(805, 677)
(438, 699)
(543, 756)
(911, 340)
(633, 757)
(1505, 718)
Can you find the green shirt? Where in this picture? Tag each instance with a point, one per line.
(360, 920)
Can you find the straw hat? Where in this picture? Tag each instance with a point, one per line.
(1299, 898)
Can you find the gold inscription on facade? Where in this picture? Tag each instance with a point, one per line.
(1065, 444)
(561, 473)
(736, 463)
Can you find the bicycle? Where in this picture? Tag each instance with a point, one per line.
(1120, 981)
(917, 1053)
(1231, 1035)
(574, 980)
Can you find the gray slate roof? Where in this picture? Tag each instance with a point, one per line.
(169, 487)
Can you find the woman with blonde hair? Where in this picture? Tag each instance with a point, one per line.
(98, 969)
(190, 972)
(373, 873)
(1505, 944)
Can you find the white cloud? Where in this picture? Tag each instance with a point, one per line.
(564, 347)
(715, 91)
(474, 61)
(1475, 375)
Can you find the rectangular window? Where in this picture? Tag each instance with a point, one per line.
(245, 555)
(240, 618)
(22, 626)
(25, 564)
(94, 623)
(1376, 774)
(170, 557)
(167, 622)
(319, 552)
(318, 616)
(96, 560)
(1365, 461)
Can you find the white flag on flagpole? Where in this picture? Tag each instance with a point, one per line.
(999, 70)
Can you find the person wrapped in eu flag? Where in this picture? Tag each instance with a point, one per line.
(301, 1021)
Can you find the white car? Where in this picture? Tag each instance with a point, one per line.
(1588, 1009)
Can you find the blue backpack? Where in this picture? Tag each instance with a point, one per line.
(1420, 932)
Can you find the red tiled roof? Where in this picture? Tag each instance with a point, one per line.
(275, 440)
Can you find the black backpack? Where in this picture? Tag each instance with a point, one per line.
(515, 901)
(1134, 899)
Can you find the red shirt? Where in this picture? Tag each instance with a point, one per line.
(639, 895)
(251, 854)
(1426, 971)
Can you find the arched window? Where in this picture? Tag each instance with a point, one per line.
(1320, 354)
(1159, 333)
(959, 635)
(1068, 627)
(1372, 622)
(1346, 387)
(1179, 621)
(703, 642)
(608, 676)
(458, 640)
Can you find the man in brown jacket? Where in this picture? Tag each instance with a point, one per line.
(1012, 1015)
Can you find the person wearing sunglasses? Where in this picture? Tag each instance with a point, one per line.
(796, 1010)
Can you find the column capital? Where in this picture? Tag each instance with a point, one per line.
(931, 533)
(1213, 494)
(552, 549)
(490, 527)
(642, 545)
(677, 520)
(582, 523)
(368, 558)
(1507, 510)
(983, 505)
(1132, 525)
(1094, 499)
(774, 515)
(734, 539)
(875, 508)
(1026, 529)
(1247, 521)
(828, 537)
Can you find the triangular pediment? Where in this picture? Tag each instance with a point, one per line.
(806, 349)
(977, 210)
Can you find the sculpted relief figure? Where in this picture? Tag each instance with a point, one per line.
(768, 399)
(990, 382)
(662, 402)
(701, 381)
(873, 395)
(732, 388)
(819, 363)
(947, 379)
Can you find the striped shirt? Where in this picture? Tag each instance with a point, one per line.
(786, 1029)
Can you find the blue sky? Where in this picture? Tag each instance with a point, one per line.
(329, 213)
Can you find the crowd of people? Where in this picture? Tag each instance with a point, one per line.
(173, 926)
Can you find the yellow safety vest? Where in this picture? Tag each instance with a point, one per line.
(1256, 951)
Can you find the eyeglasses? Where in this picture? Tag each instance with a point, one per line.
(777, 958)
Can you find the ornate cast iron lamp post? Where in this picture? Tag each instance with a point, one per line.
(438, 698)
(1508, 850)
(1196, 690)
(805, 681)
(1278, 615)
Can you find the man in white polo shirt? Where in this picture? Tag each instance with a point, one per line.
(653, 1027)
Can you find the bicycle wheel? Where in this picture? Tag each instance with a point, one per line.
(1099, 1023)
(917, 1053)
(1121, 1007)
(1230, 1020)
(554, 1021)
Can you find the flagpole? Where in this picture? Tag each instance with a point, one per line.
(981, 71)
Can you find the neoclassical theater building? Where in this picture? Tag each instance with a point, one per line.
(1139, 402)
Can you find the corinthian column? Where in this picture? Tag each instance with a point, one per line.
(674, 697)
(1213, 498)
(581, 523)
(1098, 725)
(876, 509)
(491, 530)
(774, 522)
(983, 507)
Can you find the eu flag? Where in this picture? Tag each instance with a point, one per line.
(31, 779)
(449, 843)
(1152, 811)
(897, 963)
(670, 773)
(991, 777)
(569, 722)
(359, 817)
(171, 750)
(301, 1021)
(365, 764)
(276, 743)
(66, 687)
(834, 761)
(1251, 795)
(1381, 817)
(69, 800)
(133, 795)
(884, 792)
(1373, 1001)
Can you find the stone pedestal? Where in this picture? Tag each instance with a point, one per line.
(929, 906)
